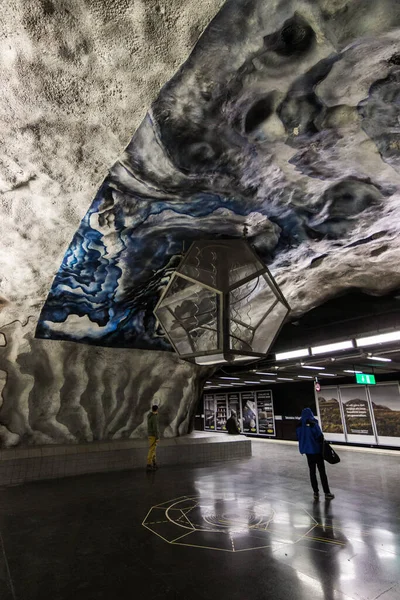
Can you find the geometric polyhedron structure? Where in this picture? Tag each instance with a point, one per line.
(221, 304)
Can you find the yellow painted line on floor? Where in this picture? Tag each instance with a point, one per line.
(182, 536)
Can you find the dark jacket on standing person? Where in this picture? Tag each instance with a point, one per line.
(309, 433)
(232, 425)
(152, 425)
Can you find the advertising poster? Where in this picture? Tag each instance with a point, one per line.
(222, 416)
(356, 411)
(386, 408)
(234, 404)
(249, 412)
(329, 410)
(265, 411)
(209, 412)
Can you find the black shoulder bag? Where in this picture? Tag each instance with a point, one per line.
(329, 454)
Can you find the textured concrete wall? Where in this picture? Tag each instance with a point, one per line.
(77, 78)
(57, 392)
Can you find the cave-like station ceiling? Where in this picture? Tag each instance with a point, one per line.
(286, 118)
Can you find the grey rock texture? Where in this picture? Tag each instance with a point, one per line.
(58, 392)
(77, 79)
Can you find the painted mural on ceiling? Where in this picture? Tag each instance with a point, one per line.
(285, 117)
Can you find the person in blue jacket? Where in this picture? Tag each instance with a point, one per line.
(311, 439)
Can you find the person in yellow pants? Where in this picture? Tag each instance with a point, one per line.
(154, 435)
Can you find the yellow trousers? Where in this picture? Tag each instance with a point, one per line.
(151, 457)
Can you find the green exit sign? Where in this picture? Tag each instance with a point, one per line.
(365, 378)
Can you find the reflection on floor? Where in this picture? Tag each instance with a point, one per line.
(241, 530)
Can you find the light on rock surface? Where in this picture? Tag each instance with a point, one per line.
(221, 304)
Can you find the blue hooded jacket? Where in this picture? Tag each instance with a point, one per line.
(309, 433)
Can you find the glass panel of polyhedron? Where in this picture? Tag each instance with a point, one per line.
(176, 333)
(220, 264)
(250, 302)
(242, 262)
(241, 337)
(201, 264)
(267, 330)
(189, 312)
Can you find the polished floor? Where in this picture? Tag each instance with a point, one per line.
(241, 530)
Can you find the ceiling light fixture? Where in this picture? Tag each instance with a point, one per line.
(351, 371)
(285, 379)
(383, 338)
(251, 382)
(203, 284)
(236, 378)
(292, 354)
(310, 367)
(332, 347)
(327, 374)
(215, 359)
(262, 373)
(305, 377)
(379, 358)
(268, 380)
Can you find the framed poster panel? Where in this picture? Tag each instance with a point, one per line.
(357, 414)
(209, 412)
(265, 413)
(222, 412)
(234, 404)
(330, 414)
(249, 412)
(385, 401)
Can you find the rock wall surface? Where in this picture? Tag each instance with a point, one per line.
(77, 77)
(62, 392)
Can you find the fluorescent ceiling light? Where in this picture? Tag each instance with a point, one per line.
(237, 378)
(262, 373)
(327, 374)
(310, 367)
(380, 358)
(210, 360)
(268, 380)
(224, 384)
(208, 381)
(305, 376)
(332, 347)
(383, 338)
(292, 354)
(285, 379)
(350, 371)
(252, 382)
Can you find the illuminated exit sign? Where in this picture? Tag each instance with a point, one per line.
(365, 378)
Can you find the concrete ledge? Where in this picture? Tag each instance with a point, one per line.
(19, 465)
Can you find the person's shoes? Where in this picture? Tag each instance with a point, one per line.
(316, 496)
(150, 468)
(329, 496)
